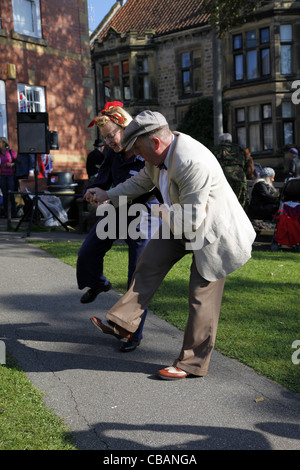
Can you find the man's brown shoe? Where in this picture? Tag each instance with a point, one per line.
(172, 373)
(110, 328)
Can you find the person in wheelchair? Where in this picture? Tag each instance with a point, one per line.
(264, 201)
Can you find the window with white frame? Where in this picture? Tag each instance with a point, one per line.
(251, 54)
(287, 110)
(31, 99)
(27, 17)
(116, 79)
(3, 118)
(116, 83)
(267, 126)
(191, 72)
(286, 37)
(106, 82)
(143, 79)
(254, 127)
(126, 80)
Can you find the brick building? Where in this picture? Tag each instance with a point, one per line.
(45, 67)
(153, 54)
(159, 55)
(261, 68)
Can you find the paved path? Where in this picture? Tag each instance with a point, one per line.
(112, 400)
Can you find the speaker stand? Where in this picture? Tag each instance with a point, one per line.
(33, 206)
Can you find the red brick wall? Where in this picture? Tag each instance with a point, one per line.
(63, 68)
(76, 168)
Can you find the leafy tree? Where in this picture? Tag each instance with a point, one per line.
(198, 121)
(226, 14)
(223, 15)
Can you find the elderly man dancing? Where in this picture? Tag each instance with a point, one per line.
(205, 217)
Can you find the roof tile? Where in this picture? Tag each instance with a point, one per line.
(164, 16)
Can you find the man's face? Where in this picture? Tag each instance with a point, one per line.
(150, 149)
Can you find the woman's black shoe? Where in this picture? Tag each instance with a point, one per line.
(130, 345)
(91, 294)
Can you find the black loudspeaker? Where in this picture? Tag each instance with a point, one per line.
(33, 133)
(54, 140)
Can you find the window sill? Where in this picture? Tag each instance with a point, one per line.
(289, 76)
(260, 80)
(3, 33)
(31, 39)
(252, 81)
(140, 102)
(197, 94)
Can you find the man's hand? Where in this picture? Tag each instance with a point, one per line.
(95, 196)
(160, 210)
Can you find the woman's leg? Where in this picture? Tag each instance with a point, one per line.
(89, 270)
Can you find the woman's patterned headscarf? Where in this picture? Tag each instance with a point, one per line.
(113, 112)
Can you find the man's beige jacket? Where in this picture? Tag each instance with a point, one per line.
(205, 209)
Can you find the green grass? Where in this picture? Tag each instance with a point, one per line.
(25, 422)
(259, 322)
(260, 314)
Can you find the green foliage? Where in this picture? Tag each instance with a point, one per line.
(225, 15)
(198, 122)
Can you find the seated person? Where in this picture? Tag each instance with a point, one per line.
(264, 197)
(294, 163)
